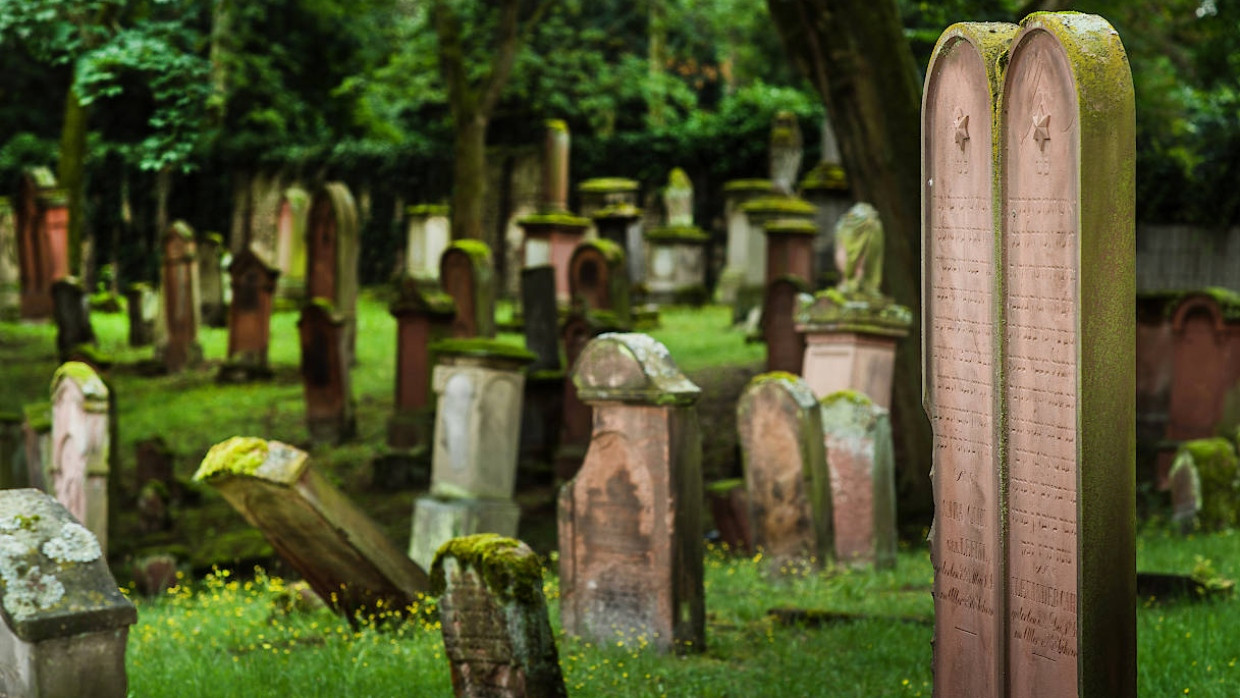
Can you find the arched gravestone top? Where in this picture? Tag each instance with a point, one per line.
(631, 367)
(467, 275)
(94, 391)
(57, 583)
(1221, 305)
(331, 244)
(179, 243)
(597, 272)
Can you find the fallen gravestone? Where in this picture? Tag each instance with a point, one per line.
(493, 616)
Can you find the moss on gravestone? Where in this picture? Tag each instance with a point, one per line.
(240, 455)
(1217, 467)
(508, 572)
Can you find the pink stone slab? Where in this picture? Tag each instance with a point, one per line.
(838, 361)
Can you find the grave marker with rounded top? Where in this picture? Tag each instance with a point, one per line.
(254, 284)
(340, 551)
(80, 446)
(176, 329)
(66, 623)
(857, 434)
(325, 372)
(466, 274)
(493, 615)
(961, 277)
(331, 255)
(786, 477)
(630, 522)
(291, 221)
(42, 239)
(597, 277)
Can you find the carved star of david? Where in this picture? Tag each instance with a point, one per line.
(962, 129)
(1041, 127)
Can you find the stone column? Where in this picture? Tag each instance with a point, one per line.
(622, 224)
(630, 522)
(80, 446)
(254, 285)
(480, 383)
(66, 624)
(553, 232)
(325, 373)
(555, 166)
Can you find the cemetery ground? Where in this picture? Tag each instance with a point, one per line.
(230, 628)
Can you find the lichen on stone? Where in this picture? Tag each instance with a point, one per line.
(510, 570)
(28, 591)
(74, 543)
(240, 455)
(93, 387)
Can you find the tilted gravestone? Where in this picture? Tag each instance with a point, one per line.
(493, 615)
(66, 624)
(466, 274)
(857, 435)
(325, 372)
(630, 521)
(176, 329)
(789, 487)
(340, 551)
(331, 256)
(254, 284)
(1051, 376)
(553, 232)
(42, 239)
(80, 446)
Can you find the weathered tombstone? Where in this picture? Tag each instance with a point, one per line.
(143, 309)
(37, 432)
(630, 522)
(857, 434)
(211, 281)
(10, 264)
(676, 252)
(597, 280)
(786, 477)
(72, 314)
(332, 544)
(493, 615)
(851, 330)
(553, 232)
(466, 274)
(826, 187)
(290, 259)
(331, 256)
(606, 192)
(176, 334)
(66, 624)
(1062, 378)
(254, 285)
(80, 446)
(429, 233)
(42, 240)
(541, 319)
(786, 152)
(744, 272)
(577, 418)
(1205, 364)
(1204, 491)
(544, 381)
(480, 383)
(325, 373)
(422, 316)
(622, 224)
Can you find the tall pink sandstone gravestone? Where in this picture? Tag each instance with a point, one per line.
(80, 446)
(1030, 297)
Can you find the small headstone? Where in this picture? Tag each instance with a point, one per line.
(10, 264)
(786, 477)
(176, 343)
(80, 446)
(254, 285)
(493, 615)
(72, 314)
(211, 280)
(676, 252)
(66, 623)
(466, 274)
(599, 282)
(43, 240)
(331, 256)
(857, 434)
(1204, 489)
(786, 152)
(320, 533)
(630, 522)
(143, 308)
(429, 234)
(325, 373)
(1204, 367)
(291, 244)
(423, 315)
(154, 574)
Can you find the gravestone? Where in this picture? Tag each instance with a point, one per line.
(1205, 366)
(42, 240)
(291, 222)
(676, 251)
(786, 477)
(211, 280)
(493, 615)
(744, 271)
(622, 224)
(142, 306)
(10, 264)
(325, 356)
(826, 187)
(544, 381)
(606, 192)
(254, 285)
(577, 418)
(176, 333)
(541, 319)
(785, 344)
(72, 316)
(66, 624)
(1204, 491)
(1049, 214)
(80, 446)
(630, 522)
(598, 280)
(429, 234)
(37, 433)
(857, 434)
(480, 383)
(466, 274)
(786, 152)
(331, 256)
(319, 532)
(553, 232)
(423, 315)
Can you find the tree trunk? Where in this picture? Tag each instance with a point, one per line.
(855, 54)
(71, 171)
(656, 100)
(469, 179)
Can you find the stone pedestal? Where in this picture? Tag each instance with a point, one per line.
(340, 551)
(291, 221)
(863, 491)
(630, 522)
(422, 316)
(428, 234)
(676, 265)
(10, 264)
(176, 329)
(467, 276)
(81, 433)
(550, 238)
(254, 285)
(42, 240)
(66, 623)
(789, 249)
(851, 344)
(785, 346)
(437, 521)
(606, 194)
(325, 373)
(758, 211)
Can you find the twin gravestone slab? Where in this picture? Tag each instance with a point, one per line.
(1028, 146)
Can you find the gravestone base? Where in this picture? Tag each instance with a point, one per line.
(436, 521)
(89, 664)
(860, 361)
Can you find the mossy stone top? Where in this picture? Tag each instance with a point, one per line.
(762, 186)
(825, 176)
(790, 226)
(833, 311)
(94, 390)
(248, 456)
(482, 348)
(607, 185)
(621, 210)
(56, 581)
(554, 219)
(415, 297)
(788, 205)
(428, 210)
(631, 367)
(508, 568)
